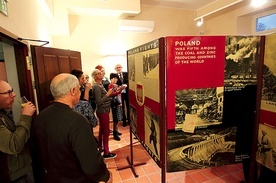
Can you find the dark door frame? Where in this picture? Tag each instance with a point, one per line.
(24, 74)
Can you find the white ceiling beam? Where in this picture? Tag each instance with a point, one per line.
(214, 7)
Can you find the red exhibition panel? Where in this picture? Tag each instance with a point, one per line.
(193, 62)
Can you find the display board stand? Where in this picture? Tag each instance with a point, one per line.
(163, 116)
(253, 163)
(130, 159)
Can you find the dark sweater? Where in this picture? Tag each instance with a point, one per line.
(67, 148)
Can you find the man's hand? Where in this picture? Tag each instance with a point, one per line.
(28, 109)
(88, 86)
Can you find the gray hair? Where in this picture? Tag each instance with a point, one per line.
(62, 84)
(95, 72)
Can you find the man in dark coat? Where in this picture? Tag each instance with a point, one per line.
(67, 151)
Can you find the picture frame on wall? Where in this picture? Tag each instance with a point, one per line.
(4, 7)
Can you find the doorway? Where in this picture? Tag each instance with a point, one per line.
(9, 73)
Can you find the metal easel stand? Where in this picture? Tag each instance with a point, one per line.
(130, 160)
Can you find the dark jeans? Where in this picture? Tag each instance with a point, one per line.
(125, 106)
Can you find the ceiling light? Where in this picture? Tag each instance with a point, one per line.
(258, 3)
(200, 22)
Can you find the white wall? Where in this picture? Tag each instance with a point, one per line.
(101, 42)
(27, 19)
(97, 37)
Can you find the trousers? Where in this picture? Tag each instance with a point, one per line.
(104, 132)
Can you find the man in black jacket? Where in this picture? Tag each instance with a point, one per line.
(122, 80)
(67, 151)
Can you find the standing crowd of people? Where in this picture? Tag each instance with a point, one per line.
(58, 144)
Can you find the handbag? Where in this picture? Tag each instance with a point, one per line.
(116, 101)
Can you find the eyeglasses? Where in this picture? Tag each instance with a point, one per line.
(118, 67)
(8, 92)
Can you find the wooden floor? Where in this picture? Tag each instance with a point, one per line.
(150, 172)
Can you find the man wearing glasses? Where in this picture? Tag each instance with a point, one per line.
(15, 159)
(122, 80)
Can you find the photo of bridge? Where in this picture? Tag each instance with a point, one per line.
(205, 148)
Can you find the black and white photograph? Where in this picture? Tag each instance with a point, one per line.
(269, 71)
(241, 61)
(198, 108)
(151, 65)
(133, 119)
(202, 149)
(266, 152)
(268, 85)
(152, 133)
(131, 68)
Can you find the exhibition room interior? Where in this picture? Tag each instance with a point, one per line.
(103, 31)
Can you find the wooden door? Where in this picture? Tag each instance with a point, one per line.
(49, 62)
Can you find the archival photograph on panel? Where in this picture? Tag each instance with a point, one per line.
(269, 83)
(266, 152)
(152, 132)
(151, 64)
(198, 108)
(268, 95)
(133, 119)
(241, 60)
(204, 148)
(268, 101)
(131, 68)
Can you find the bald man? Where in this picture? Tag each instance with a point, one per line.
(64, 141)
(15, 159)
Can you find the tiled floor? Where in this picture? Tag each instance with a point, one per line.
(149, 171)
